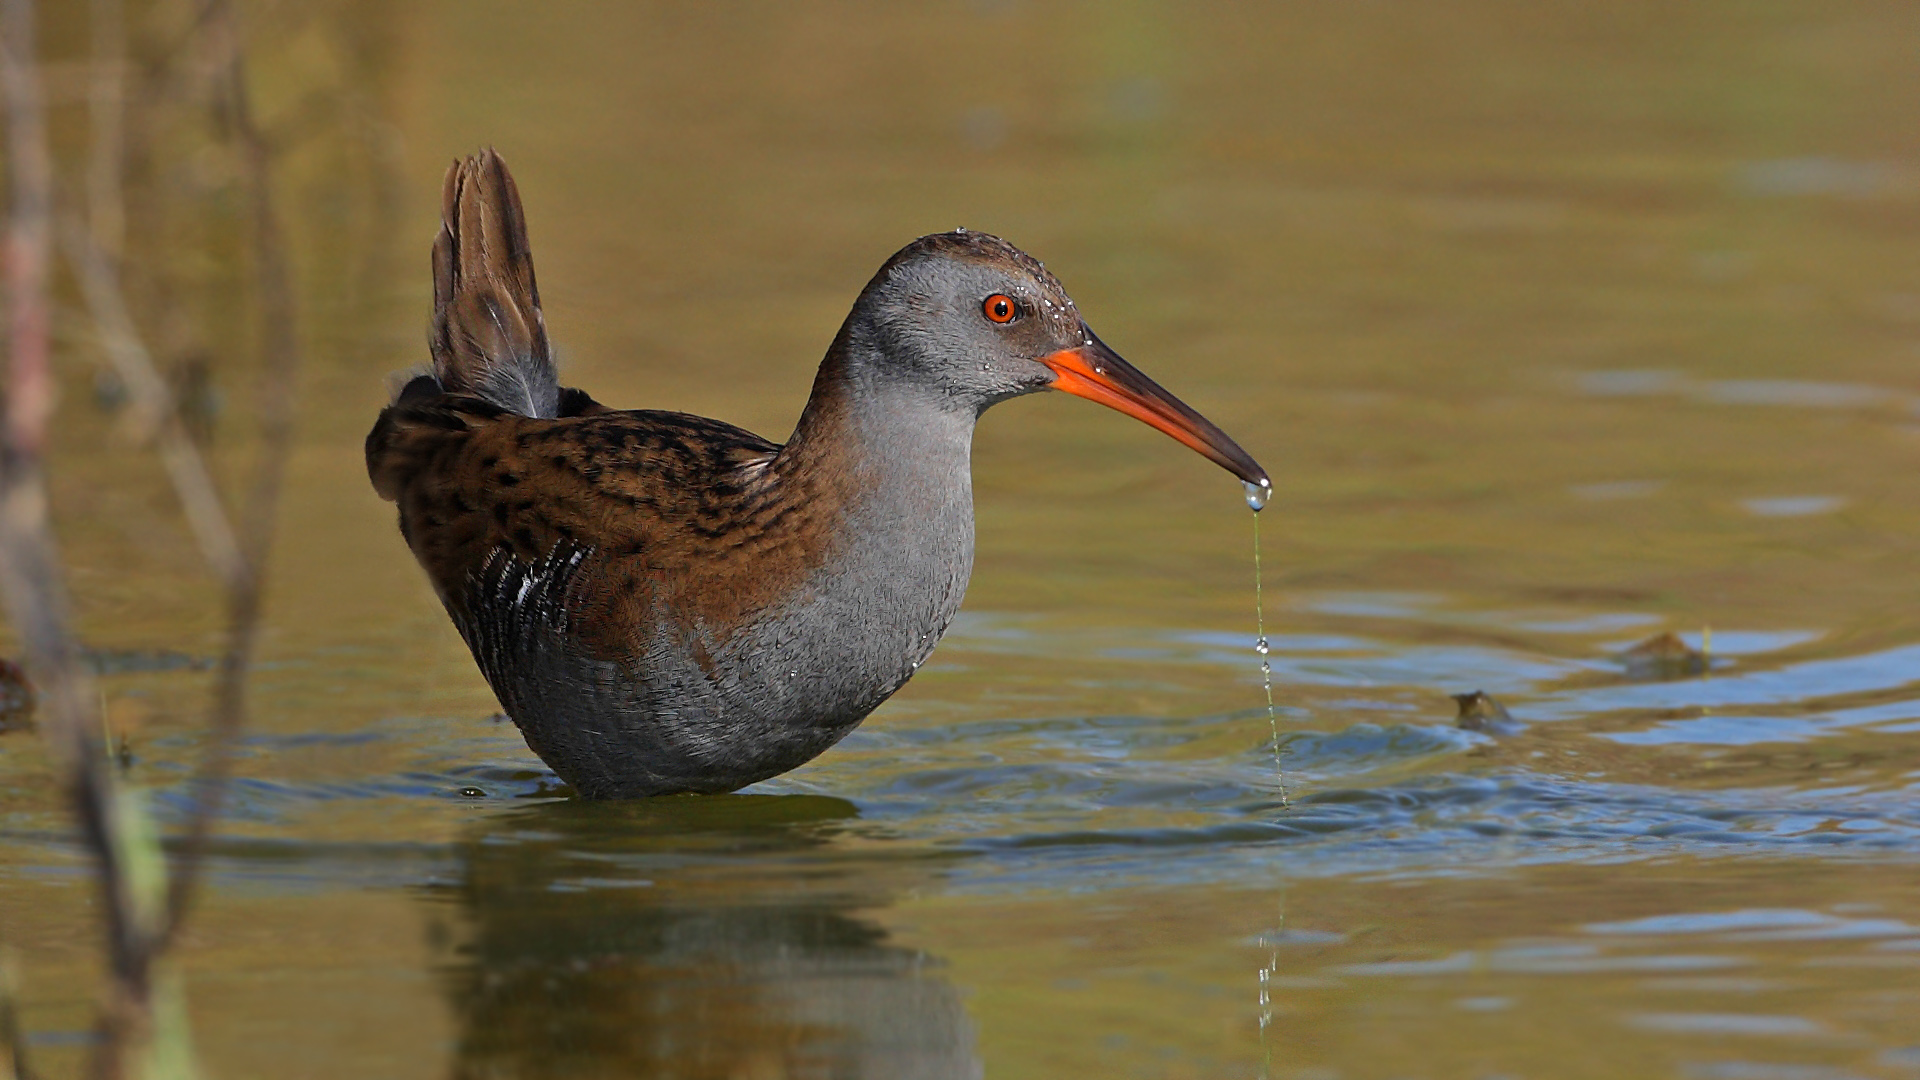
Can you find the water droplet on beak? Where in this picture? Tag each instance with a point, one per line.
(1258, 494)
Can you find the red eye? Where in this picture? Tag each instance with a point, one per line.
(999, 307)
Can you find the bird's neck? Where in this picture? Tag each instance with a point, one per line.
(885, 471)
(878, 440)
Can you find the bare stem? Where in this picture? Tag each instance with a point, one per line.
(153, 402)
(279, 366)
(29, 384)
(31, 577)
(30, 567)
(106, 123)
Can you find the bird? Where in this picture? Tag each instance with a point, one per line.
(666, 604)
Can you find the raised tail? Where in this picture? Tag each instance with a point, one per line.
(489, 339)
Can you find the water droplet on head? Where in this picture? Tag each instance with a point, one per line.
(1258, 494)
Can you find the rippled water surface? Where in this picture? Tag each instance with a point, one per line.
(1559, 326)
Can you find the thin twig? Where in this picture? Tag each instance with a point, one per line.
(17, 1062)
(154, 403)
(280, 363)
(30, 383)
(106, 125)
(30, 568)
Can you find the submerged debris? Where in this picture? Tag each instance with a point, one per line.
(16, 696)
(123, 717)
(1480, 712)
(1663, 656)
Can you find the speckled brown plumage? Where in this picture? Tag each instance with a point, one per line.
(668, 502)
(668, 603)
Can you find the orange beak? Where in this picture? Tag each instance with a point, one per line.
(1097, 373)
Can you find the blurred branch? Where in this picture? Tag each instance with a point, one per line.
(154, 407)
(143, 912)
(30, 388)
(15, 1065)
(279, 366)
(106, 124)
(30, 570)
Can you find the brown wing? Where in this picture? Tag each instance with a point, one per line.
(663, 507)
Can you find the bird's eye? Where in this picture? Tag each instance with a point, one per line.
(999, 308)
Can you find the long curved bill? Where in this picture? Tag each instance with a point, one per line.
(1095, 372)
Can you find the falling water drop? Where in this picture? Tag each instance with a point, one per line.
(1260, 630)
(1258, 494)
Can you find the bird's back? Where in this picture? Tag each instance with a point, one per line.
(654, 495)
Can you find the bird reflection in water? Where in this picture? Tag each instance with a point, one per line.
(717, 937)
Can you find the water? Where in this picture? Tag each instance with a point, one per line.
(1572, 326)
